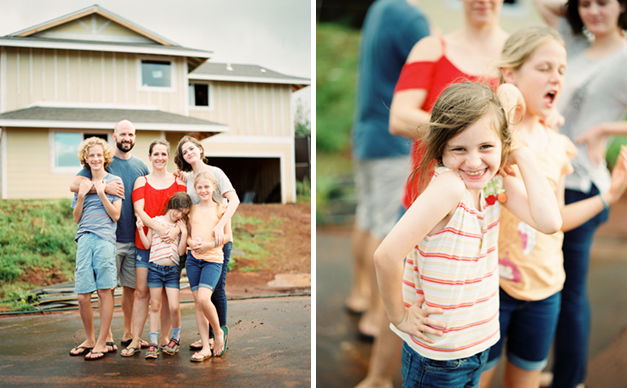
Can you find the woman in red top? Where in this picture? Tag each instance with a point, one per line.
(150, 196)
(469, 53)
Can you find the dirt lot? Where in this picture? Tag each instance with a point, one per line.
(290, 255)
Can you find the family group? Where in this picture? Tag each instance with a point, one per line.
(138, 228)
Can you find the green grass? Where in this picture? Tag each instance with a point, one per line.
(37, 239)
(336, 70)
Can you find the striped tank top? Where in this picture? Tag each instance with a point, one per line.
(456, 269)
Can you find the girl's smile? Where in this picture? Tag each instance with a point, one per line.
(159, 157)
(191, 153)
(475, 154)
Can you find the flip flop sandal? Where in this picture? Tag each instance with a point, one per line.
(126, 343)
(200, 358)
(98, 355)
(226, 340)
(111, 345)
(195, 346)
(144, 344)
(129, 352)
(82, 351)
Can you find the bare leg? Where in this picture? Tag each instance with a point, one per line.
(211, 314)
(516, 377)
(369, 323)
(174, 308)
(127, 310)
(486, 377)
(203, 329)
(155, 307)
(106, 315)
(87, 317)
(357, 300)
(385, 359)
(166, 323)
(140, 305)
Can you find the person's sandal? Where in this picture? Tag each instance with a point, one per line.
(129, 351)
(198, 357)
(153, 352)
(172, 347)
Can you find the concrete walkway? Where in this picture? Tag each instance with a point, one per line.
(269, 346)
(342, 358)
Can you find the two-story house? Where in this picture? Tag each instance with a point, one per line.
(77, 75)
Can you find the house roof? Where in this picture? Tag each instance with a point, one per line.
(38, 36)
(215, 71)
(105, 118)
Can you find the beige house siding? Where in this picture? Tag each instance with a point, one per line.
(250, 109)
(68, 76)
(94, 27)
(30, 174)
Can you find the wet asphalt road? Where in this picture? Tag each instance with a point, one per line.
(268, 346)
(342, 358)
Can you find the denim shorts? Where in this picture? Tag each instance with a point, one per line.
(95, 264)
(202, 273)
(160, 276)
(528, 328)
(141, 260)
(419, 371)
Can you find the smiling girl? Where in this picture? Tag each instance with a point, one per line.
(444, 304)
(204, 263)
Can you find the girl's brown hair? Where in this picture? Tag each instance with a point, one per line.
(83, 150)
(178, 157)
(458, 107)
(522, 44)
(178, 201)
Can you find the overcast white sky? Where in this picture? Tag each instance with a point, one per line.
(270, 33)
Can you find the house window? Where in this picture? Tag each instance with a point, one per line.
(156, 74)
(66, 148)
(199, 95)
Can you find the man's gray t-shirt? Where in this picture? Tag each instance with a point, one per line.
(94, 218)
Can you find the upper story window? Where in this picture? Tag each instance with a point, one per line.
(199, 95)
(156, 74)
(65, 149)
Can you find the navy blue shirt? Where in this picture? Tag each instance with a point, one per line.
(390, 30)
(128, 170)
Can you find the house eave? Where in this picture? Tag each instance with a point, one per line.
(265, 80)
(107, 47)
(140, 126)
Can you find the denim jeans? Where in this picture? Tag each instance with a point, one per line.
(419, 371)
(528, 328)
(573, 326)
(218, 298)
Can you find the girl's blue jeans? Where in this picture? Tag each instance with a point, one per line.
(419, 371)
(573, 326)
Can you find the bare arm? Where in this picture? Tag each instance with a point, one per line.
(146, 239)
(114, 188)
(112, 209)
(596, 138)
(433, 205)
(138, 206)
(183, 240)
(534, 203)
(550, 10)
(220, 228)
(84, 187)
(406, 116)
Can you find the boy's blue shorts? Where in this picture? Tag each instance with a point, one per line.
(95, 264)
